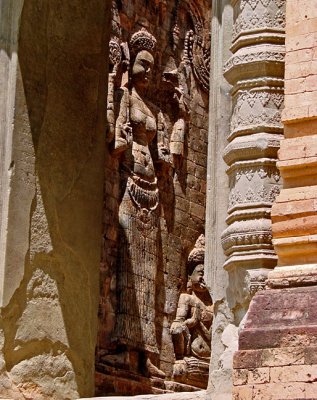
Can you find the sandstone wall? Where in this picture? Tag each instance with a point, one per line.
(53, 90)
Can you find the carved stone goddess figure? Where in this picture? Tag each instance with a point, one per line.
(136, 128)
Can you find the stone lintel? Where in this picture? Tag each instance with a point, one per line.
(294, 275)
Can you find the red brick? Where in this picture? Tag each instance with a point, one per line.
(282, 211)
(295, 85)
(298, 148)
(295, 113)
(293, 57)
(296, 227)
(295, 194)
(300, 128)
(281, 357)
(311, 390)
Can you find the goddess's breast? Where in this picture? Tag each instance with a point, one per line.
(143, 123)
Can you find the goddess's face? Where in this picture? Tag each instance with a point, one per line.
(142, 68)
(197, 278)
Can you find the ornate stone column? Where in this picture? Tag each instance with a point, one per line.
(277, 347)
(256, 71)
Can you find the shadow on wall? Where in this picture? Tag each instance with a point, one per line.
(50, 324)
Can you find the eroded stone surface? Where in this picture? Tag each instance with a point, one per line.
(275, 344)
(33, 377)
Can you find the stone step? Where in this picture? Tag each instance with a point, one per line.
(201, 395)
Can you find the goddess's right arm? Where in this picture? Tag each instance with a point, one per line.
(123, 130)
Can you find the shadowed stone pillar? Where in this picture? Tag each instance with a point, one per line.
(277, 347)
(256, 71)
(217, 202)
(52, 124)
(16, 186)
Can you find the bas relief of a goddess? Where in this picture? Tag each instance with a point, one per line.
(135, 135)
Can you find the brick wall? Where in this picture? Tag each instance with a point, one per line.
(301, 60)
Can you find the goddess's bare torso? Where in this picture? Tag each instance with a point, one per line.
(144, 128)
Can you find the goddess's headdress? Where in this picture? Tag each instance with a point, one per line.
(197, 255)
(142, 40)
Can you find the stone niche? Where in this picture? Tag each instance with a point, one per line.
(155, 190)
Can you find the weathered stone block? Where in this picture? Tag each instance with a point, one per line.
(284, 356)
(294, 373)
(278, 391)
(310, 355)
(248, 359)
(242, 392)
(259, 375)
(240, 377)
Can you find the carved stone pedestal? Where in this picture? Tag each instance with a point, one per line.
(192, 371)
(114, 381)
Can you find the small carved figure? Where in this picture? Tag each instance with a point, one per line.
(191, 329)
(177, 140)
(114, 62)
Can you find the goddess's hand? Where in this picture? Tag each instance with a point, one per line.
(126, 131)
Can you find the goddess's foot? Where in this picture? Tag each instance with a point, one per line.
(152, 371)
(120, 360)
